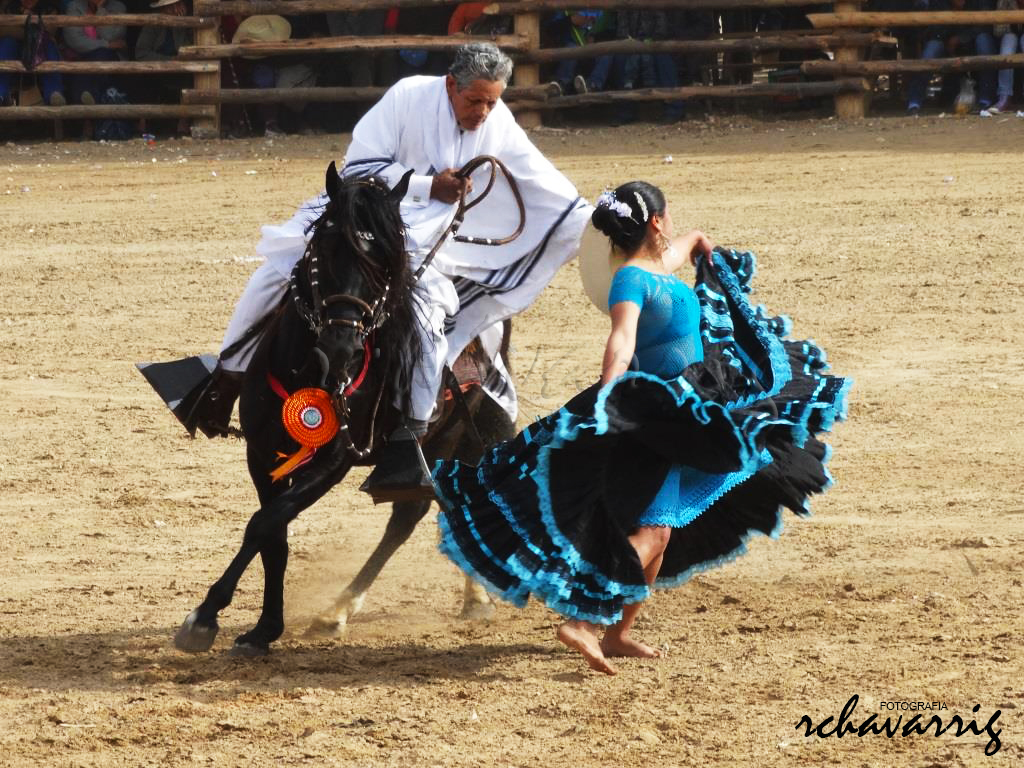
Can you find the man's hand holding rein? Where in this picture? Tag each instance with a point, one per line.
(449, 187)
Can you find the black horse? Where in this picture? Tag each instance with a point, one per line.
(347, 328)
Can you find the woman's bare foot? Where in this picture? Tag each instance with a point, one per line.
(578, 636)
(624, 645)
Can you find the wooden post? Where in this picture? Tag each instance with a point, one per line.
(849, 105)
(528, 75)
(207, 127)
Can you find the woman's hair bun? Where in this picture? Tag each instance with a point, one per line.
(623, 215)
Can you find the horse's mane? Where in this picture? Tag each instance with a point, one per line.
(361, 227)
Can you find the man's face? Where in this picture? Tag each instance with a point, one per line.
(473, 103)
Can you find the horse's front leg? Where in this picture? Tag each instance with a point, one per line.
(200, 627)
(266, 534)
(270, 626)
(404, 518)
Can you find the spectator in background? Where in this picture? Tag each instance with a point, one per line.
(106, 43)
(362, 67)
(577, 29)
(651, 70)
(470, 19)
(12, 43)
(274, 72)
(162, 43)
(954, 40)
(1011, 40)
(428, 20)
(692, 25)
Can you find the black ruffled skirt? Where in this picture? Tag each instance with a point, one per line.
(714, 453)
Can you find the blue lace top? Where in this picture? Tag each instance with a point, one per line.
(668, 332)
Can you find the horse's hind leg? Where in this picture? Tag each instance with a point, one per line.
(404, 518)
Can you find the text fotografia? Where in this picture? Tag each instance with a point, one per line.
(915, 725)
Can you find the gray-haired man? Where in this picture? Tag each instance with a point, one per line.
(433, 126)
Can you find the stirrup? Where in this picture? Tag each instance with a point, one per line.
(401, 473)
(212, 412)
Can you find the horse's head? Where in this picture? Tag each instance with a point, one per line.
(356, 273)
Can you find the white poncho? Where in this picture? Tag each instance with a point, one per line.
(413, 127)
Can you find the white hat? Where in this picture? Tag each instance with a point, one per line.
(598, 262)
(162, 3)
(263, 29)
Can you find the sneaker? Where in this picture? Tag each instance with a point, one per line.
(913, 109)
(1000, 106)
(87, 98)
(57, 99)
(579, 84)
(554, 90)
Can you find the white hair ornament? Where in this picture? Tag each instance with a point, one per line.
(619, 208)
(643, 205)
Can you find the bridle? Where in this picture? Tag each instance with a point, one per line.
(373, 316)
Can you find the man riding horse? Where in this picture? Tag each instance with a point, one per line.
(431, 126)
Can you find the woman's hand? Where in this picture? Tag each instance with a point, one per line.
(692, 245)
(701, 246)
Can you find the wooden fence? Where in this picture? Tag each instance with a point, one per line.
(839, 40)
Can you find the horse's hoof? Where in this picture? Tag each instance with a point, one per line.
(249, 650)
(477, 612)
(193, 637)
(326, 628)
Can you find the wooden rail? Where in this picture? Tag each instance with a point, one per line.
(115, 111)
(304, 7)
(113, 20)
(330, 95)
(114, 67)
(322, 45)
(523, 6)
(756, 90)
(941, 66)
(769, 42)
(870, 19)
(299, 7)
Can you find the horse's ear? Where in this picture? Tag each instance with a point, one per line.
(333, 181)
(399, 190)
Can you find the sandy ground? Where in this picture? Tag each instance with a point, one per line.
(895, 244)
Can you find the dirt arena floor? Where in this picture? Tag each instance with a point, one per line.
(895, 244)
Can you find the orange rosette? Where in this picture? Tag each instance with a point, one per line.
(308, 415)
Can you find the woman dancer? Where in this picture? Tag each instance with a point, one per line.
(653, 474)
